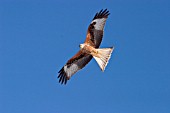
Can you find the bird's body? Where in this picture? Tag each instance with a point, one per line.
(85, 48)
(89, 49)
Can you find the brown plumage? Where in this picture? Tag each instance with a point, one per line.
(89, 49)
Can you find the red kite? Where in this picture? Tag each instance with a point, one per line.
(89, 49)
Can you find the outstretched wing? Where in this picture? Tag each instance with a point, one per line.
(95, 29)
(76, 63)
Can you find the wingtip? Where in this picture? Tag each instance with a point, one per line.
(103, 13)
(62, 77)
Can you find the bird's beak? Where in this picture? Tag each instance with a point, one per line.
(80, 46)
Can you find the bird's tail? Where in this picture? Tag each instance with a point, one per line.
(103, 56)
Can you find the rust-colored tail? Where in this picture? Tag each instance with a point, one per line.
(103, 56)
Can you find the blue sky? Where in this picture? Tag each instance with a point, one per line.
(38, 37)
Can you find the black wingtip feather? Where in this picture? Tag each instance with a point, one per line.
(62, 76)
(101, 14)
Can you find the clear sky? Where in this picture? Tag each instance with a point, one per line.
(38, 37)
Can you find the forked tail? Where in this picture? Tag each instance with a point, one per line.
(103, 56)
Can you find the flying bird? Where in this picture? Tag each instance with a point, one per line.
(89, 49)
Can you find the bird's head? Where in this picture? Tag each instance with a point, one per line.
(81, 46)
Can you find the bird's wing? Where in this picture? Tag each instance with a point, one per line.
(95, 29)
(76, 63)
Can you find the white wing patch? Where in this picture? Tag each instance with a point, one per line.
(71, 70)
(99, 23)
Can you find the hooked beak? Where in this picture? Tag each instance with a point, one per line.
(81, 46)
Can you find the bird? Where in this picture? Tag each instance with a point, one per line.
(89, 49)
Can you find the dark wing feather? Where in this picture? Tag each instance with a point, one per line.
(76, 63)
(95, 29)
(102, 14)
